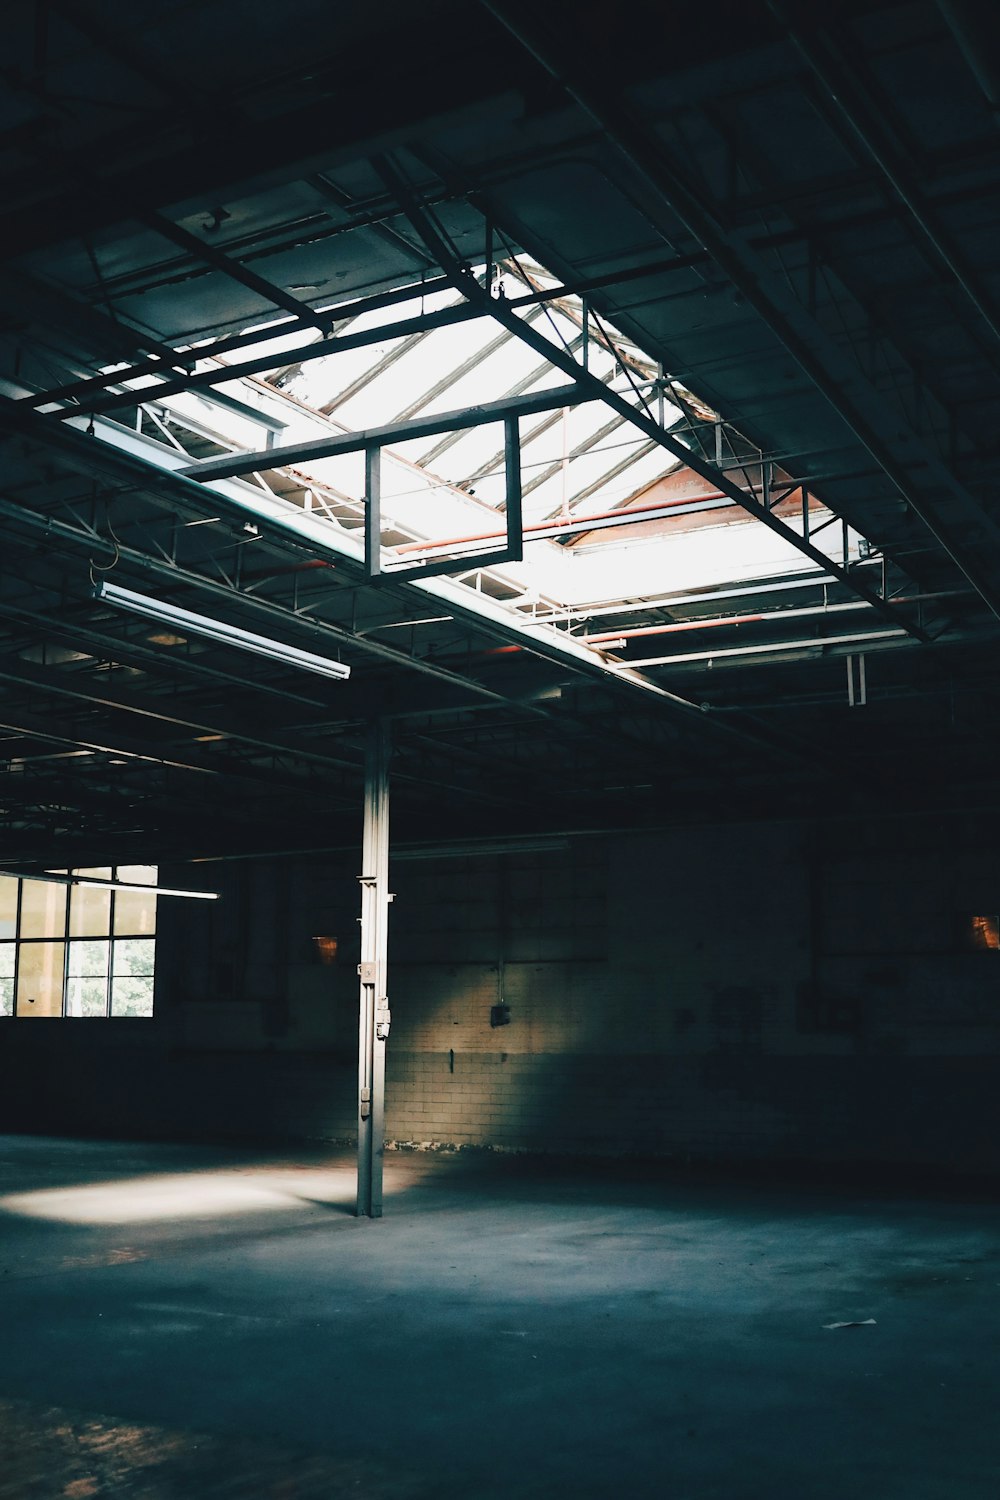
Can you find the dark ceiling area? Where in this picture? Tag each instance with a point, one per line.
(790, 209)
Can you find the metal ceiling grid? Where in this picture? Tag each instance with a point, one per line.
(810, 248)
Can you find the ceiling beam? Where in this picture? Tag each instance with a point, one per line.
(843, 386)
(391, 434)
(854, 108)
(444, 317)
(76, 687)
(662, 436)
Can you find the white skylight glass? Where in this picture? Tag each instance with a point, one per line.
(444, 494)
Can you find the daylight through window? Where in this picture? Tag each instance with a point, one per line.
(78, 950)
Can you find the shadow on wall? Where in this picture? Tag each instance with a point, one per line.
(565, 1074)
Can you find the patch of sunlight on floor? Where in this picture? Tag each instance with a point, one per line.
(183, 1196)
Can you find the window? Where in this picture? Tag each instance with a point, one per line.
(78, 949)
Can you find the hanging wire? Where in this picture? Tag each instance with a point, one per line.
(96, 567)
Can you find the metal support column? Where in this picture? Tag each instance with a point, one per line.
(374, 1010)
(512, 466)
(373, 511)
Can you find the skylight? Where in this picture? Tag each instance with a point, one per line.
(610, 515)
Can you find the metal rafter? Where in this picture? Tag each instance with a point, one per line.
(487, 412)
(651, 429)
(340, 315)
(617, 469)
(845, 390)
(453, 376)
(822, 267)
(345, 313)
(168, 714)
(175, 492)
(219, 261)
(225, 593)
(860, 114)
(52, 160)
(108, 648)
(517, 389)
(443, 317)
(584, 446)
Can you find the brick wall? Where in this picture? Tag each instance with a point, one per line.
(757, 991)
(707, 993)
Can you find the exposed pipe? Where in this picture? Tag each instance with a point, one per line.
(763, 615)
(558, 526)
(664, 438)
(809, 644)
(721, 621)
(671, 601)
(121, 463)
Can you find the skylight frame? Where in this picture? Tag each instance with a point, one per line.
(603, 488)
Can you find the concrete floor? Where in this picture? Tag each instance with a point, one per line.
(179, 1323)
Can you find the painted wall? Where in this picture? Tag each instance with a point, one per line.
(705, 993)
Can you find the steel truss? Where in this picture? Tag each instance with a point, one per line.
(108, 393)
(757, 498)
(846, 390)
(756, 501)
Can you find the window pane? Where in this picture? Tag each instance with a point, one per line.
(8, 907)
(89, 960)
(87, 997)
(135, 912)
(40, 978)
(8, 957)
(137, 874)
(43, 909)
(6, 997)
(134, 956)
(89, 911)
(132, 997)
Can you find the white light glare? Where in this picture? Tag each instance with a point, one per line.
(49, 878)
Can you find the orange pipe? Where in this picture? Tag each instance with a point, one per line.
(559, 521)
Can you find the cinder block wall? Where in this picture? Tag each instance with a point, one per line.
(704, 993)
(755, 991)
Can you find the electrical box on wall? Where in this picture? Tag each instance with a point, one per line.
(500, 1014)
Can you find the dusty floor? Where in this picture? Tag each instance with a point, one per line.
(180, 1323)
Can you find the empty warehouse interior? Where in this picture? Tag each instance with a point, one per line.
(499, 606)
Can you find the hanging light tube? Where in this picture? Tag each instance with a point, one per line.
(218, 630)
(52, 878)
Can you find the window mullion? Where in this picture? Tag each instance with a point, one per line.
(17, 947)
(65, 980)
(111, 948)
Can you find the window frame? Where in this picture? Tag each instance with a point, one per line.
(67, 938)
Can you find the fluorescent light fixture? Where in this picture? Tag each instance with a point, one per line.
(218, 630)
(152, 890)
(109, 885)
